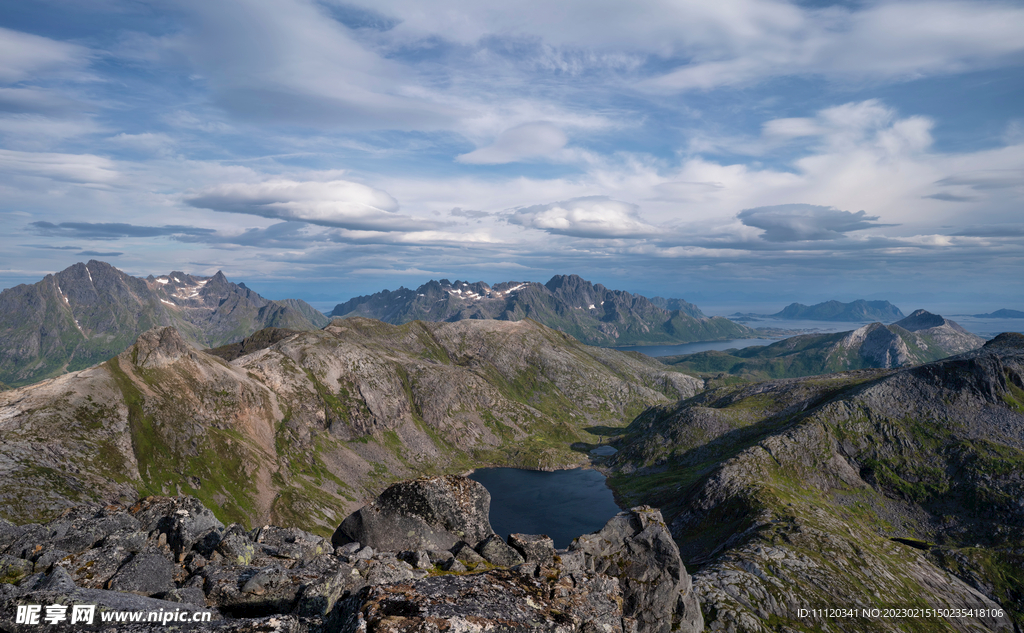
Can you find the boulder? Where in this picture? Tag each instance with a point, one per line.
(427, 513)
(290, 543)
(146, 573)
(498, 552)
(636, 548)
(534, 548)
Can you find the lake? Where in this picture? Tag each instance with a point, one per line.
(562, 504)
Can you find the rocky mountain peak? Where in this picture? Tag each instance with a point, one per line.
(921, 320)
(1007, 341)
(158, 347)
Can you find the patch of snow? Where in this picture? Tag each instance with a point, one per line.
(161, 280)
(203, 283)
(421, 295)
(177, 280)
(167, 302)
(88, 273)
(591, 306)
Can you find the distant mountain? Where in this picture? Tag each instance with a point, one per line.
(922, 337)
(88, 313)
(591, 313)
(859, 310)
(1001, 314)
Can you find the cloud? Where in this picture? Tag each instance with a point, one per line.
(110, 231)
(986, 179)
(590, 216)
(949, 197)
(803, 222)
(99, 254)
(25, 56)
(890, 41)
(468, 213)
(337, 203)
(539, 139)
(288, 62)
(994, 230)
(79, 168)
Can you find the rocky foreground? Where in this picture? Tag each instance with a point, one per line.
(443, 570)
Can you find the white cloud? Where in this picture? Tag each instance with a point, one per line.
(523, 142)
(591, 216)
(25, 56)
(75, 168)
(338, 203)
(287, 61)
(799, 222)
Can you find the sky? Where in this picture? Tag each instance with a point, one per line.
(740, 154)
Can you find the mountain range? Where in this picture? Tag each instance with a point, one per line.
(868, 489)
(859, 310)
(297, 428)
(90, 312)
(590, 312)
(919, 338)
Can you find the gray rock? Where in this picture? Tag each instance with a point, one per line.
(58, 580)
(498, 600)
(290, 542)
(427, 513)
(418, 559)
(637, 548)
(439, 555)
(182, 519)
(184, 595)
(498, 552)
(146, 573)
(534, 548)
(454, 565)
(347, 549)
(319, 597)
(465, 553)
(49, 557)
(366, 553)
(236, 546)
(14, 569)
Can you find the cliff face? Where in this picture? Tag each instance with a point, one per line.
(877, 488)
(308, 424)
(90, 312)
(590, 312)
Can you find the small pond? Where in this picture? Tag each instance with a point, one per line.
(562, 504)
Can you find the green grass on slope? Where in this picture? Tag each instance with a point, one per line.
(222, 460)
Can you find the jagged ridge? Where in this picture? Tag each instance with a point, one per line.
(591, 313)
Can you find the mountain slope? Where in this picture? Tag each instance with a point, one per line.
(871, 489)
(307, 424)
(90, 312)
(919, 338)
(589, 312)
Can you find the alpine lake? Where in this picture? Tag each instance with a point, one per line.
(563, 504)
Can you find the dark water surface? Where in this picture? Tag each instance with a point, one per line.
(563, 504)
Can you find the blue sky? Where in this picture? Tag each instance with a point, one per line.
(736, 153)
